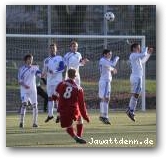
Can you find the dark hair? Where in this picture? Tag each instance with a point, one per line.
(134, 45)
(27, 56)
(105, 51)
(53, 45)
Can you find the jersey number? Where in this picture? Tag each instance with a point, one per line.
(67, 93)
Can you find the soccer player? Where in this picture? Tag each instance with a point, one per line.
(73, 59)
(27, 81)
(71, 106)
(53, 68)
(137, 58)
(107, 68)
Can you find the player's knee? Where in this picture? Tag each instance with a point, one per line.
(34, 106)
(80, 120)
(50, 99)
(24, 105)
(136, 95)
(106, 100)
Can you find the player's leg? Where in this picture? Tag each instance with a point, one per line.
(44, 95)
(24, 99)
(79, 126)
(104, 95)
(34, 103)
(70, 130)
(136, 87)
(22, 114)
(67, 122)
(35, 115)
(50, 91)
(101, 96)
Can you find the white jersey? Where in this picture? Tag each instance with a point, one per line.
(55, 65)
(27, 76)
(136, 61)
(106, 66)
(72, 60)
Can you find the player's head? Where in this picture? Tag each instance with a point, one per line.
(71, 73)
(28, 59)
(107, 53)
(135, 47)
(53, 49)
(74, 46)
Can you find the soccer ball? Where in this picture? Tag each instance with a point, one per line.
(109, 16)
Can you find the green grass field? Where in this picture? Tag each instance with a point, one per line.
(121, 133)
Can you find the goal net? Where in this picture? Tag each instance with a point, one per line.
(91, 47)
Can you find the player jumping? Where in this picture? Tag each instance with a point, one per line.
(137, 58)
(106, 69)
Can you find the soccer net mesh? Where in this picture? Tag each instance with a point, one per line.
(90, 47)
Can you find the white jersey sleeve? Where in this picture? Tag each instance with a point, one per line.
(114, 61)
(136, 62)
(27, 76)
(145, 59)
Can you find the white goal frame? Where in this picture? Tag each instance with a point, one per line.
(142, 38)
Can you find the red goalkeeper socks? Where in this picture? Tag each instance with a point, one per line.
(70, 131)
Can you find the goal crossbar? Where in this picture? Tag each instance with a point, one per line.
(74, 36)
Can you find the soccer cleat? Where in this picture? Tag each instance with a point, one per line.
(35, 125)
(21, 125)
(104, 120)
(57, 119)
(79, 140)
(130, 114)
(49, 118)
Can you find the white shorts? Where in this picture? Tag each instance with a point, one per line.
(136, 84)
(51, 89)
(29, 95)
(104, 89)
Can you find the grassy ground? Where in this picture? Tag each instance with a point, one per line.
(122, 132)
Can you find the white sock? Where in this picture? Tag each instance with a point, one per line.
(105, 108)
(35, 114)
(50, 108)
(133, 103)
(101, 109)
(22, 113)
(55, 106)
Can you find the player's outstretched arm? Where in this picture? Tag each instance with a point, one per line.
(149, 52)
(82, 105)
(84, 61)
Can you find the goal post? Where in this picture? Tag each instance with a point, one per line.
(90, 46)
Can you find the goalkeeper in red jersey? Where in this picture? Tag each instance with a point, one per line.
(71, 106)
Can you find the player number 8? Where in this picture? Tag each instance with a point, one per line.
(67, 93)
